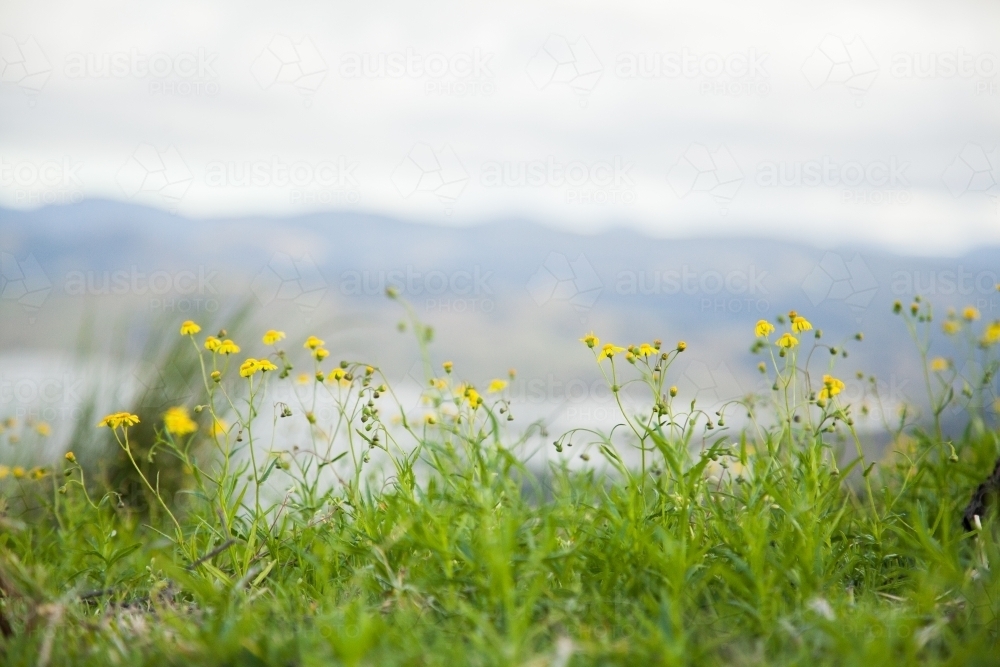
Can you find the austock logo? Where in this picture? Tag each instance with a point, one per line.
(835, 279)
(23, 63)
(838, 62)
(287, 62)
(296, 280)
(24, 283)
(975, 169)
(439, 173)
(160, 175)
(561, 62)
(714, 173)
(558, 279)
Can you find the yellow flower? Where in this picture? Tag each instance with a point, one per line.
(303, 378)
(272, 337)
(763, 328)
(217, 427)
(228, 347)
(178, 422)
(212, 344)
(800, 324)
(439, 383)
(970, 313)
(831, 387)
(496, 385)
(787, 341)
(119, 419)
(430, 419)
(312, 343)
(681, 346)
(189, 328)
(473, 397)
(609, 350)
(4, 471)
(71, 457)
(17, 471)
(43, 429)
(991, 335)
(447, 366)
(591, 340)
(647, 350)
(951, 327)
(939, 364)
(321, 353)
(36, 473)
(337, 374)
(251, 366)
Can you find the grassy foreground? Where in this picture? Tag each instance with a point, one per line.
(367, 534)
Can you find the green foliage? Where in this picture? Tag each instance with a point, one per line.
(428, 540)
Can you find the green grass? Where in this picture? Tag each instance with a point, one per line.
(437, 544)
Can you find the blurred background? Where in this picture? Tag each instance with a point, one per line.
(522, 173)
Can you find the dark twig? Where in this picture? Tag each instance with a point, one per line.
(977, 506)
(212, 554)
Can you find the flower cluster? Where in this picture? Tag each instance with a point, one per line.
(252, 366)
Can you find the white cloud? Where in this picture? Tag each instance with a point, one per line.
(552, 91)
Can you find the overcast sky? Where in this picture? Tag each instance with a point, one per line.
(822, 122)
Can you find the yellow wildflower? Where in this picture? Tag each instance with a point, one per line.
(991, 335)
(447, 366)
(249, 367)
(189, 328)
(970, 313)
(217, 427)
(763, 328)
(336, 374)
(43, 429)
(787, 341)
(939, 364)
(303, 378)
(178, 422)
(496, 386)
(609, 350)
(647, 350)
(473, 397)
(681, 346)
(312, 343)
(212, 344)
(17, 472)
(119, 419)
(430, 419)
(831, 387)
(71, 457)
(951, 327)
(591, 340)
(439, 383)
(228, 347)
(321, 353)
(272, 337)
(36, 473)
(800, 324)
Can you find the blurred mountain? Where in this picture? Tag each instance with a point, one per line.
(510, 293)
